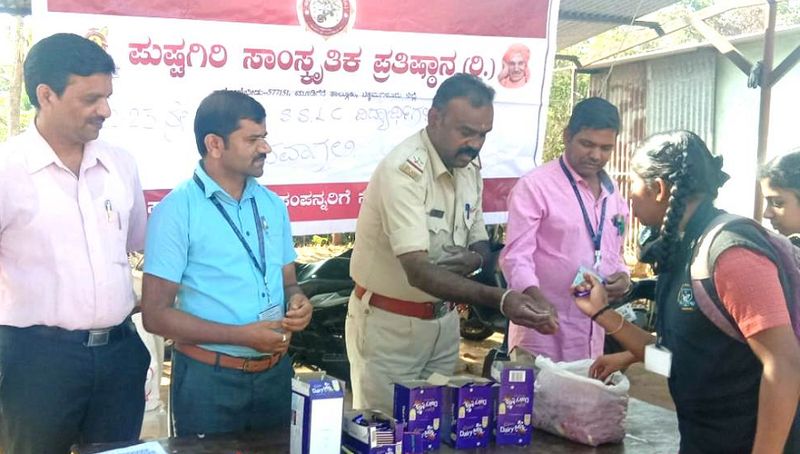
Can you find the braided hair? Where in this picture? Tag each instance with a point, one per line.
(681, 159)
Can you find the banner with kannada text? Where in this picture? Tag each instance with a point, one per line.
(343, 82)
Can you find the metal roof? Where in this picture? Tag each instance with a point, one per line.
(19, 7)
(581, 19)
(577, 19)
(690, 47)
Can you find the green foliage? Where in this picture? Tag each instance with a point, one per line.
(318, 240)
(561, 97)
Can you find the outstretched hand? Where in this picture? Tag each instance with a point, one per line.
(532, 313)
(595, 300)
(617, 285)
(608, 364)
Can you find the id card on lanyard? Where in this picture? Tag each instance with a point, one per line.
(596, 237)
(261, 266)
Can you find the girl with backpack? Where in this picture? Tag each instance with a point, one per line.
(780, 185)
(731, 396)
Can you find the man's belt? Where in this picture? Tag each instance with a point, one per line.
(425, 311)
(88, 337)
(250, 365)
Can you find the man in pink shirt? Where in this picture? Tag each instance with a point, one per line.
(564, 215)
(72, 367)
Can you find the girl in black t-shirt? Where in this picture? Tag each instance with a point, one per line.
(730, 396)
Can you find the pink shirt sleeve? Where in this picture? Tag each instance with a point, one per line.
(525, 211)
(749, 288)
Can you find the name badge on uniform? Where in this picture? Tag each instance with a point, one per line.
(658, 360)
(272, 313)
(436, 213)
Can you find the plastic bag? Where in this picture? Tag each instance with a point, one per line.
(569, 404)
(155, 345)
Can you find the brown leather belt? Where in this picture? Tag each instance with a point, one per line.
(250, 365)
(425, 311)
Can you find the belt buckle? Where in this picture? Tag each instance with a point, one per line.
(246, 365)
(98, 337)
(440, 309)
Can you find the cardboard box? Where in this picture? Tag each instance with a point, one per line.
(367, 439)
(467, 412)
(514, 403)
(317, 404)
(418, 404)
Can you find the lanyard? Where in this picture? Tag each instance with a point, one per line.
(597, 238)
(259, 229)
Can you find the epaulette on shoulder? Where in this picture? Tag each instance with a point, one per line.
(414, 165)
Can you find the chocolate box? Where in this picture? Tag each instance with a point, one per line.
(418, 404)
(514, 403)
(360, 435)
(467, 412)
(317, 404)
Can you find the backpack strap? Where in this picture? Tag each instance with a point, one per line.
(701, 272)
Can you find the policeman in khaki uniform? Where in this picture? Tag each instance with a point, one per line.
(420, 236)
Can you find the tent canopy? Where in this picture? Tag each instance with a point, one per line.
(577, 20)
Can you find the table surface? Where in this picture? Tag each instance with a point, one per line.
(650, 429)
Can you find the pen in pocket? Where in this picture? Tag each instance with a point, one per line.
(111, 214)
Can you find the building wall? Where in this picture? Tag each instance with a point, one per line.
(736, 121)
(704, 92)
(680, 93)
(662, 94)
(625, 87)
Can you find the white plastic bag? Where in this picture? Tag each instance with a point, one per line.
(155, 345)
(569, 404)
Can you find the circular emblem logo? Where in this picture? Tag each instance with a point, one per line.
(327, 17)
(99, 36)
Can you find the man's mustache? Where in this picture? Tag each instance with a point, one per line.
(469, 151)
(260, 156)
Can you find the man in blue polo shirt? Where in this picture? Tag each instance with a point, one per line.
(222, 244)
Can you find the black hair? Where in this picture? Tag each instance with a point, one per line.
(220, 112)
(463, 85)
(593, 113)
(54, 59)
(682, 160)
(783, 171)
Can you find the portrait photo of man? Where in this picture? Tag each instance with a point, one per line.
(515, 72)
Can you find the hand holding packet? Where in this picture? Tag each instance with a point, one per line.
(580, 279)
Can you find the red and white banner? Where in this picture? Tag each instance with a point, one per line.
(343, 82)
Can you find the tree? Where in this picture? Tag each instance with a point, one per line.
(16, 111)
(15, 88)
(562, 98)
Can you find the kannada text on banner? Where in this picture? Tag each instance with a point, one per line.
(341, 87)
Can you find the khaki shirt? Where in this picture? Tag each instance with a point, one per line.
(413, 203)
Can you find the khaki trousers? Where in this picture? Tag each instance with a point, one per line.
(384, 348)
